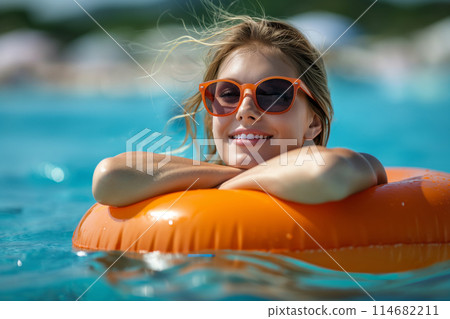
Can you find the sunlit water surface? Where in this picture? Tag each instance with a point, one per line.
(51, 142)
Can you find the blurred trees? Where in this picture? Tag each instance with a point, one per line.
(384, 19)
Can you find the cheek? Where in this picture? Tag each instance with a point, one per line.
(294, 127)
(290, 126)
(294, 123)
(216, 128)
(219, 126)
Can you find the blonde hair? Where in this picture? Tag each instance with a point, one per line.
(239, 31)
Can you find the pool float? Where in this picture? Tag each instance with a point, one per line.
(398, 226)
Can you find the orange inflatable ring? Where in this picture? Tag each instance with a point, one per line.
(398, 226)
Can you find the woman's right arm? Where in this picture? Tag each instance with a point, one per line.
(116, 184)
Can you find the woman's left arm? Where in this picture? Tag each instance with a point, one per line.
(312, 175)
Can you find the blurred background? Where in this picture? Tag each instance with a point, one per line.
(69, 97)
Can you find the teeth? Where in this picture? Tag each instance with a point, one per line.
(250, 136)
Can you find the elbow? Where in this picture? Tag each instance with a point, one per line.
(106, 184)
(114, 183)
(101, 182)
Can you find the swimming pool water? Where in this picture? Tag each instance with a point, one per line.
(50, 143)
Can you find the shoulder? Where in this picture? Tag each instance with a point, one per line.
(377, 167)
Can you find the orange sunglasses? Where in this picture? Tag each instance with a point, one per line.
(272, 95)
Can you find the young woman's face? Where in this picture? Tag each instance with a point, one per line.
(250, 65)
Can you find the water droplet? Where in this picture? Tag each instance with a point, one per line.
(403, 203)
(289, 236)
(19, 263)
(170, 222)
(81, 254)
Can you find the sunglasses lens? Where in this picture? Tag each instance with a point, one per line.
(222, 97)
(275, 95)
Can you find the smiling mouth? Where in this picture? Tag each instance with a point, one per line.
(250, 137)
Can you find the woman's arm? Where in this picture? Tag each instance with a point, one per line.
(317, 176)
(116, 184)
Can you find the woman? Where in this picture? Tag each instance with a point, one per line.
(269, 112)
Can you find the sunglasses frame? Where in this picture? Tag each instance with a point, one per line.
(295, 82)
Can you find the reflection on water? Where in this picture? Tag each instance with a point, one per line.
(232, 275)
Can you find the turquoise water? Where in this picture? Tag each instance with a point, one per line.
(51, 142)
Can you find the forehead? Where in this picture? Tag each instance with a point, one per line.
(253, 63)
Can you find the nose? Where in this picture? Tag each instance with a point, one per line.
(248, 112)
